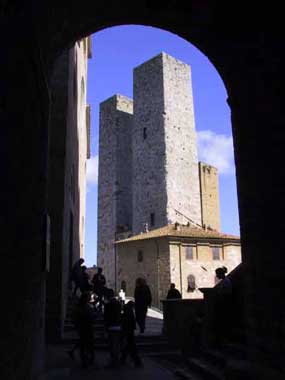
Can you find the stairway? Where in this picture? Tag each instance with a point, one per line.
(207, 365)
(151, 342)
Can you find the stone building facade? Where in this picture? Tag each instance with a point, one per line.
(184, 255)
(148, 165)
(68, 154)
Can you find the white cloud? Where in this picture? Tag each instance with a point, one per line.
(216, 150)
(92, 171)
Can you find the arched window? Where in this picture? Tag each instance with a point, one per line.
(191, 281)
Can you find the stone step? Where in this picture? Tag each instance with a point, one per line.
(144, 339)
(176, 363)
(216, 358)
(145, 347)
(96, 324)
(236, 351)
(238, 335)
(205, 369)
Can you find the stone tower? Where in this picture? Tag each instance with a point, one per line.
(165, 165)
(115, 179)
(209, 189)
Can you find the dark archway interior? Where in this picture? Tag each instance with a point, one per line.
(250, 60)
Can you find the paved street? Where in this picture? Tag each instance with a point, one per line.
(65, 368)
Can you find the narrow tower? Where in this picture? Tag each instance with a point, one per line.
(165, 164)
(209, 187)
(115, 179)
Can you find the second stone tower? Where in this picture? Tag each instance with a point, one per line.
(165, 163)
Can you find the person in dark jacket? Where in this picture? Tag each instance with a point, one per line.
(85, 285)
(76, 275)
(83, 318)
(143, 300)
(223, 301)
(112, 320)
(127, 336)
(173, 293)
(99, 282)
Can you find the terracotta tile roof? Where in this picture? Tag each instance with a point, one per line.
(181, 231)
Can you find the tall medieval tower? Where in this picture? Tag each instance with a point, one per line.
(115, 178)
(165, 164)
(148, 165)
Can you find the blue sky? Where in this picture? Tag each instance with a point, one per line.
(116, 51)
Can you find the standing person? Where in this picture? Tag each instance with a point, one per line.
(173, 293)
(122, 297)
(83, 317)
(112, 320)
(143, 300)
(85, 285)
(225, 284)
(99, 282)
(76, 275)
(223, 307)
(128, 338)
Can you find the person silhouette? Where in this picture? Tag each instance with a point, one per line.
(76, 275)
(83, 317)
(173, 293)
(127, 336)
(143, 300)
(225, 284)
(85, 285)
(112, 320)
(99, 282)
(223, 307)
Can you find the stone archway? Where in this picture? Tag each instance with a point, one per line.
(251, 64)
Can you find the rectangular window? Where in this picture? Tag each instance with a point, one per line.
(216, 253)
(144, 134)
(189, 253)
(152, 219)
(140, 256)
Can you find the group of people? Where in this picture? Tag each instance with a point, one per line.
(120, 324)
(120, 318)
(80, 278)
